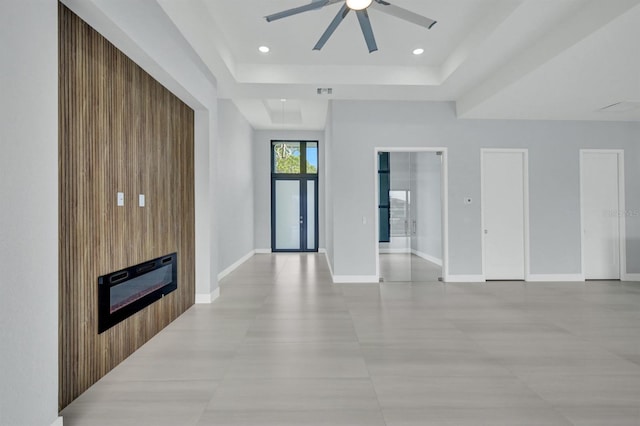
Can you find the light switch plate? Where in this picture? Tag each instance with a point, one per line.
(120, 198)
(141, 200)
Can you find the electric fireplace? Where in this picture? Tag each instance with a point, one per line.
(125, 292)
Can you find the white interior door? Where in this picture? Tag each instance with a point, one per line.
(503, 212)
(600, 214)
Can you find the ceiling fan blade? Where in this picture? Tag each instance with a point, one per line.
(332, 27)
(367, 31)
(404, 14)
(296, 10)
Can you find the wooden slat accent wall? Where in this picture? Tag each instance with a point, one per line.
(120, 130)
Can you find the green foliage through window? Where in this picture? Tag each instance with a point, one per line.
(287, 159)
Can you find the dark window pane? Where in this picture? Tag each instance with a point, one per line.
(385, 236)
(383, 199)
(383, 161)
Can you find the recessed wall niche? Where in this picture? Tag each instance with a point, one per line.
(119, 131)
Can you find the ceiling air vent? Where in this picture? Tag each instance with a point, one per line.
(325, 91)
(623, 106)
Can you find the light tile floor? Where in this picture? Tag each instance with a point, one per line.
(283, 346)
(400, 267)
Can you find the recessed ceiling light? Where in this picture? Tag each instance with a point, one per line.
(283, 100)
(418, 51)
(264, 49)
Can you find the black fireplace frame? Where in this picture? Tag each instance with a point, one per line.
(106, 318)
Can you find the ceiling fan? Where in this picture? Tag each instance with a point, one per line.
(361, 8)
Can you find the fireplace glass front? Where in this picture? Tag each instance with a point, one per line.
(125, 292)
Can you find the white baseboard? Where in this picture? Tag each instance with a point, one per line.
(631, 277)
(326, 256)
(555, 277)
(235, 265)
(215, 294)
(387, 250)
(57, 422)
(353, 279)
(205, 299)
(464, 279)
(427, 257)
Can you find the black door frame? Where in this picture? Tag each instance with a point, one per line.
(303, 178)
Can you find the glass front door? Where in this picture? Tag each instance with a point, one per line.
(288, 217)
(294, 196)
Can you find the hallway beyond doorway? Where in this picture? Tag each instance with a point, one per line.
(403, 267)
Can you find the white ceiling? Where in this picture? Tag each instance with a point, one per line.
(511, 59)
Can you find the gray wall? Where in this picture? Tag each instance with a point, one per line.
(426, 204)
(359, 127)
(262, 181)
(328, 179)
(28, 217)
(235, 180)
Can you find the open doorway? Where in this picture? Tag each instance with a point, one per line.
(411, 214)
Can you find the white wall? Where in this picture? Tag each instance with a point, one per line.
(205, 156)
(328, 179)
(29, 213)
(426, 205)
(262, 181)
(235, 179)
(359, 127)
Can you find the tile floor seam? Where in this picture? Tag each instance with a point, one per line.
(366, 364)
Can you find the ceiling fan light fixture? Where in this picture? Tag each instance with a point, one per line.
(359, 4)
(360, 7)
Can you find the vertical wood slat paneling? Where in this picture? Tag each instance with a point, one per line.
(120, 131)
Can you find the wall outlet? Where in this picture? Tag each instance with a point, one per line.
(120, 198)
